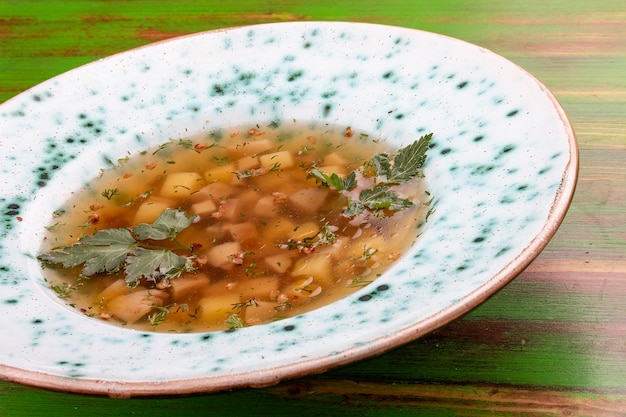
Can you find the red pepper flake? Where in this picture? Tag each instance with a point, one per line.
(200, 146)
(255, 132)
(127, 175)
(106, 315)
(201, 260)
(93, 218)
(151, 165)
(279, 197)
(19, 219)
(348, 133)
(95, 207)
(236, 258)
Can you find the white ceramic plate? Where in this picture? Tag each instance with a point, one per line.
(503, 171)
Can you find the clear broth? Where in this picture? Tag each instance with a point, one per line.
(259, 213)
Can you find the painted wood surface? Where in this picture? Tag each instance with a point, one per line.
(553, 342)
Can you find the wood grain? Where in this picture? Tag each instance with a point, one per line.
(552, 343)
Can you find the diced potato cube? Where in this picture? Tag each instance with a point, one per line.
(216, 232)
(277, 160)
(260, 312)
(368, 247)
(280, 262)
(187, 284)
(298, 292)
(244, 232)
(305, 230)
(231, 209)
(152, 208)
(316, 266)
(223, 173)
(117, 288)
(266, 207)
(178, 314)
(199, 238)
(181, 184)
(334, 169)
(204, 207)
(248, 198)
(308, 200)
(272, 181)
(247, 162)
(215, 191)
(220, 288)
(223, 255)
(337, 249)
(277, 230)
(335, 159)
(214, 309)
(132, 307)
(261, 288)
(251, 148)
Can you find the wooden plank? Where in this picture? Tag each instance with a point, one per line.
(550, 343)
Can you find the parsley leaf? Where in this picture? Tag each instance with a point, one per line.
(354, 208)
(167, 225)
(409, 160)
(154, 264)
(111, 250)
(381, 197)
(103, 251)
(334, 180)
(388, 170)
(380, 163)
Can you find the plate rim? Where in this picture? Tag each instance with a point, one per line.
(275, 374)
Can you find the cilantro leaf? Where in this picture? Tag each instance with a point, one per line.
(154, 264)
(167, 225)
(409, 160)
(104, 251)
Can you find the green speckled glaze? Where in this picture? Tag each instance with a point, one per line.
(502, 168)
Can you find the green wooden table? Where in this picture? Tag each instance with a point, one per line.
(553, 342)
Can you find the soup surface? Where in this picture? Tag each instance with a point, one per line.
(235, 228)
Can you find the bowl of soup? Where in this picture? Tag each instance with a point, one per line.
(239, 207)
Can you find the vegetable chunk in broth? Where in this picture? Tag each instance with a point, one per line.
(236, 228)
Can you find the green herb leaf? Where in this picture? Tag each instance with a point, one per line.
(389, 171)
(154, 264)
(350, 182)
(110, 250)
(104, 251)
(409, 160)
(167, 225)
(381, 197)
(326, 236)
(234, 322)
(110, 193)
(380, 163)
(334, 180)
(354, 208)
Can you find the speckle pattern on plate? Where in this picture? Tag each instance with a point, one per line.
(502, 169)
